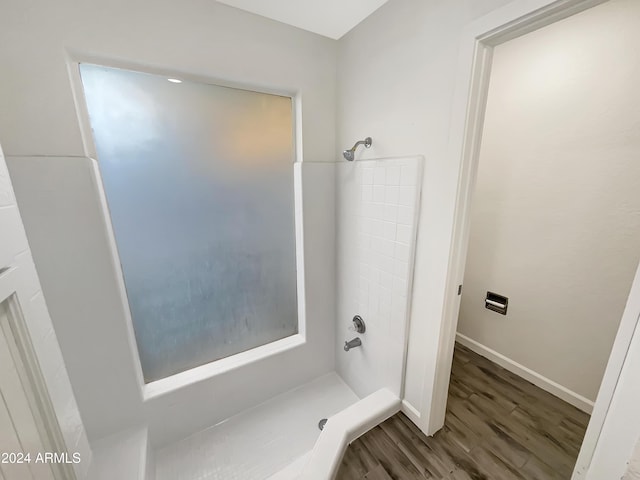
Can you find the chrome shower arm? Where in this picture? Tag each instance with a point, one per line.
(366, 142)
(350, 154)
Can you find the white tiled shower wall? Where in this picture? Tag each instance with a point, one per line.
(376, 211)
(23, 280)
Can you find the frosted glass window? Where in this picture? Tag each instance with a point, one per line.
(199, 183)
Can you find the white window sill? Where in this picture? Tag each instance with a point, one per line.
(217, 367)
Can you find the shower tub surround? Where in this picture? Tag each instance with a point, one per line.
(373, 230)
(377, 211)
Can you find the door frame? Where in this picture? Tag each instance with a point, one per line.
(14, 329)
(469, 104)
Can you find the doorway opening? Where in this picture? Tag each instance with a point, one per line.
(546, 158)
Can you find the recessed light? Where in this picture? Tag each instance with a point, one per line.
(174, 80)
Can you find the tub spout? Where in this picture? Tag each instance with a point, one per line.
(356, 342)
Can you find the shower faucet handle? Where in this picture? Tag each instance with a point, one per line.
(358, 325)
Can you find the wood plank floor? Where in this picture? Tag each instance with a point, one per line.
(498, 427)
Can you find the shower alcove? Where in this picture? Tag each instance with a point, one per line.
(260, 416)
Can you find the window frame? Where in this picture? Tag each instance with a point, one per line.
(149, 391)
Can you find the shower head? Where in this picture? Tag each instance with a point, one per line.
(350, 154)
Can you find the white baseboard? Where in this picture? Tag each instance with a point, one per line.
(541, 381)
(410, 411)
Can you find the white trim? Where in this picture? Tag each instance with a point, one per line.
(629, 325)
(75, 57)
(465, 133)
(217, 367)
(298, 206)
(14, 328)
(532, 376)
(410, 411)
(116, 267)
(182, 379)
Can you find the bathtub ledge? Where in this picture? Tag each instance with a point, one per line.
(342, 429)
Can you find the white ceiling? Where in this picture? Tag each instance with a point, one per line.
(331, 18)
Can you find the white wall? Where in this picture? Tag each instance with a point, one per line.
(21, 279)
(398, 72)
(197, 37)
(376, 219)
(556, 213)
